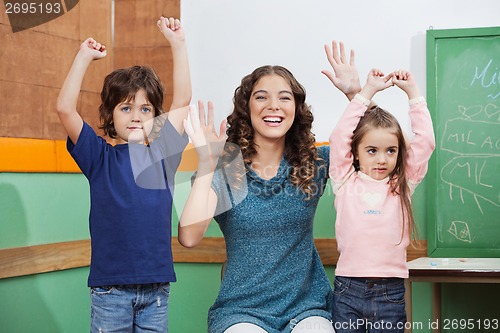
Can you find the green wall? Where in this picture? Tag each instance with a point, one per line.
(47, 208)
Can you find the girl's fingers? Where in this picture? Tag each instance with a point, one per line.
(329, 75)
(401, 74)
(342, 53)
(335, 52)
(388, 77)
(329, 56)
(351, 62)
(171, 22)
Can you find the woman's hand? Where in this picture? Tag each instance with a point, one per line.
(208, 144)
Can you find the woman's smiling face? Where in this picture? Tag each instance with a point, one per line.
(272, 108)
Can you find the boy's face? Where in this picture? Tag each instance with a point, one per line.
(377, 153)
(131, 119)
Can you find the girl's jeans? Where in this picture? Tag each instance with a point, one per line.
(129, 308)
(368, 305)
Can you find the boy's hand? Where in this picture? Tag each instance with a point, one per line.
(172, 30)
(346, 77)
(406, 82)
(92, 49)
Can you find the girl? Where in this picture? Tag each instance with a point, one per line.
(274, 280)
(130, 223)
(374, 172)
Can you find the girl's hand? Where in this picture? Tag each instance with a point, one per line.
(208, 144)
(172, 30)
(376, 82)
(92, 49)
(346, 77)
(406, 82)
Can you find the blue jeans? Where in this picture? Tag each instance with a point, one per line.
(368, 305)
(129, 308)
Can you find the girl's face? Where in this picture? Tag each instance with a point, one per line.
(377, 153)
(272, 108)
(131, 118)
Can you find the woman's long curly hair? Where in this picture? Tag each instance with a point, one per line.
(300, 150)
(374, 118)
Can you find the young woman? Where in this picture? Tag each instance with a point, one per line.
(274, 280)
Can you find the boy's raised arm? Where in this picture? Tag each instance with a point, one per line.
(174, 33)
(68, 96)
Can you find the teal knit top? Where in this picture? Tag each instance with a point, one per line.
(274, 276)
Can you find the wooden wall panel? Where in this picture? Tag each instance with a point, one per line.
(138, 40)
(64, 25)
(135, 21)
(21, 112)
(95, 22)
(58, 256)
(89, 109)
(35, 61)
(51, 125)
(4, 19)
(160, 58)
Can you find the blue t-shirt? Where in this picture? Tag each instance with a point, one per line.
(130, 206)
(274, 276)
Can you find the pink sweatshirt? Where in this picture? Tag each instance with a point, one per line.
(369, 223)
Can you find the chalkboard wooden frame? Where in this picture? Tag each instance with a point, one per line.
(435, 247)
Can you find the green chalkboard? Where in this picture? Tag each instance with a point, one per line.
(463, 93)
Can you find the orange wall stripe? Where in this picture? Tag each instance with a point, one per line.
(32, 155)
(35, 155)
